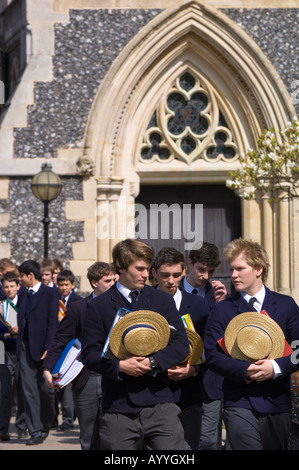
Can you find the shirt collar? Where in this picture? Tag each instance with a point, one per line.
(66, 297)
(201, 290)
(260, 297)
(14, 301)
(36, 287)
(178, 298)
(125, 291)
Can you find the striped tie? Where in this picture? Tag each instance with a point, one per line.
(251, 302)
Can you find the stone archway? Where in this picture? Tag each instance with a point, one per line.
(189, 36)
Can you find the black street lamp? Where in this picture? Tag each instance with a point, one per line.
(46, 186)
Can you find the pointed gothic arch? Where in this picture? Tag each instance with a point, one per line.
(187, 36)
(241, 84)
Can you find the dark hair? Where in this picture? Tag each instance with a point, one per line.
(31, 266)
(208, 255)
(127, 251)
(66, 275)
(97, 270)
(170, 256)
(11, 276)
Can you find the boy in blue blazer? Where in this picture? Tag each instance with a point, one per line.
(37, 324)
(186, 380)
(257, 396)
(137, 406)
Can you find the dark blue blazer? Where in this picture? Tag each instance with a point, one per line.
(212, 382)
(42, 321)
(121, 392)
(2, 293)
(10, 344)
(270, 396)
(189, 391)
(69, 328)
(72, 298)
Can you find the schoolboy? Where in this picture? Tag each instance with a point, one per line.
(186, 382)
(66, 285)
(257, 396)
(37, 324)
(9, 375)
(86, 387)
(138, 408)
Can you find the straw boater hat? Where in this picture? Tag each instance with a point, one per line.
(252, 336)
(139, 333)
(195, 347)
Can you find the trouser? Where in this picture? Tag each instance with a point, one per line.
(65, 397)
(87, 401)
(158, 427)
(39, 399)
(191, 421)
(211, 425)
(250, 430)
(10, 383)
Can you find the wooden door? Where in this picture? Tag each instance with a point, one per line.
(221, 218)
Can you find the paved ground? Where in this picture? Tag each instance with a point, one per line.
(56, 440)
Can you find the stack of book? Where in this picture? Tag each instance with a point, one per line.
(68, 366)
(8, 316)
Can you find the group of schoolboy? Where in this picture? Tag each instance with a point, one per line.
(136, 402)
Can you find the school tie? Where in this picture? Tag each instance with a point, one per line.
(194, 291)
(251, 302)
(30, 293)
(63, 300)
(134, 294)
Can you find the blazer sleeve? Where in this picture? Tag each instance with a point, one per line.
(97, 325)
(217, 360)
(65, 333)
(98, 321)
(52, 320)
(178, 347)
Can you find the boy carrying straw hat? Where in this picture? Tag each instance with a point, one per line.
(138, 408)
(247, 341)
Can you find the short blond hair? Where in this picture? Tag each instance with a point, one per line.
(255, 254)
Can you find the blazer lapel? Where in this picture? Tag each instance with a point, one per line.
(35, 297)
(185, 303)
(240, 304)
(270, 304)
(144, 300)
(209, 294)
(114, 297)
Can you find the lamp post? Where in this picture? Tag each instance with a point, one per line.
(46, 186)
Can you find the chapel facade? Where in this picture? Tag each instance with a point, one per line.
(143, 108)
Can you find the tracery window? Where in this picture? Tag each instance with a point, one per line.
(187, 125)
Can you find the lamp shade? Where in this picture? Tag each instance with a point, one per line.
(46, 185)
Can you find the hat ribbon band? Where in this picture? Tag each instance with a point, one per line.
(133, 327)
(259, 328)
